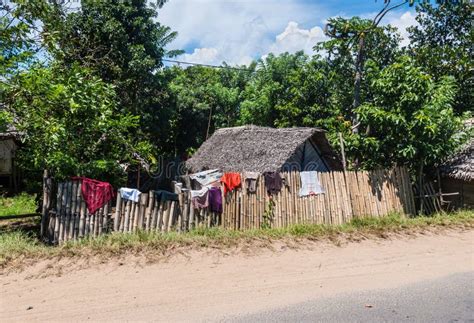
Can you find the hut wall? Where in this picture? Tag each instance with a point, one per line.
(306, 158)
(7, 151)
(465, 199)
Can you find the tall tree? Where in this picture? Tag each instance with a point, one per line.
(442, 43)
(355, 45)
(121, 42)
(411, 117)
(69, 123)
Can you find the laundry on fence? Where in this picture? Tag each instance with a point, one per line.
(251, 181)
(95, 193)
(131, 194)
(310, 184)
(207, 177)
(273, 182)
(166, 196)
(285, 180)
(215, 200)
(231, 181)
(200, 198)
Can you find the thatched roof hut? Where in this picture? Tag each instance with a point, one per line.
(461, 165)
(458, 174)
(261, 149)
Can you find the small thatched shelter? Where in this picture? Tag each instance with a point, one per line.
(261, 149)
(458, 176)
(9, 142)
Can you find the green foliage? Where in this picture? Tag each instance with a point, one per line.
(410, 118)
(442, 43)
(69, 122)
(202, 99)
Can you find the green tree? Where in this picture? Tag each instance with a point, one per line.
(69, 123)
(286, 90)
(442, 43)
(202, 100)
(411, 118)
(354, 46)
(121, 42)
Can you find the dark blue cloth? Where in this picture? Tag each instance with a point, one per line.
(166, 196)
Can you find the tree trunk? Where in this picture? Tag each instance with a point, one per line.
(46, 202)
(357, 83)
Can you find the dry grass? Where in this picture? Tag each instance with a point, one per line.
(19, 248)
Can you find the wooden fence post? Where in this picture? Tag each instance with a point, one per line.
(46, 202)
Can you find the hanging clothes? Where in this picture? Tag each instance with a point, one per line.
(310, 184)
(285, 180)
(200, 198)
(231, 181)
(187, 181)
(251, 181)
(165, 196)
(273, 182)
(95, 193)
(207, 177)
(131, 194)
(215, 200)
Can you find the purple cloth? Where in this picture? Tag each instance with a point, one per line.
(215, 200)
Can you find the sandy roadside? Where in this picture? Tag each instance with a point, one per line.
(210, 285)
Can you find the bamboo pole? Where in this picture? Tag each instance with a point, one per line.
(82, 220)
(127, 215)
(99, 225)
(57, 220)
(87, 223)
(46, 203)
(154, 219)
(149, 209)
(118, 210)
(73, 209)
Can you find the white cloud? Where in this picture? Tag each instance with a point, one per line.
(238, 31)
(294, 39)
(402, 22)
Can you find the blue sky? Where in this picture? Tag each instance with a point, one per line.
(237, 31)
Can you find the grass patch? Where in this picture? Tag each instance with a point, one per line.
(19, 246)
(16, 205)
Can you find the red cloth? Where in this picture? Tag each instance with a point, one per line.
(231, 181)
(95, 193)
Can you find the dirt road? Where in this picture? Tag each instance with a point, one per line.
(213, 286)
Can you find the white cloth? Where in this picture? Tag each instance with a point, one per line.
(199, 193)
(310, 184)
(131, 194)
(207, 177)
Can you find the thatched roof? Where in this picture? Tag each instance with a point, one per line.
(461, 165)
(258, 149)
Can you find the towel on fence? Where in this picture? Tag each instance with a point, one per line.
(310, 184)
(200, 198)
(215, 200)
(285, 180)
(251, 181)
(231, 181)
(273, 182)
(95, 193)
(206, 177)
(166, 196)
(131, 194)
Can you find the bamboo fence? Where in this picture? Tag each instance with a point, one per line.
(347, 195)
